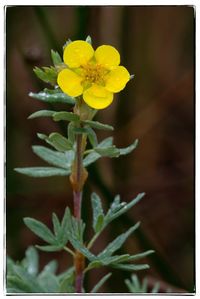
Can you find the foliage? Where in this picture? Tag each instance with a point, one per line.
(135, 286)
(68, 233)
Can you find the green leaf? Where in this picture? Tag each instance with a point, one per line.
(39, 172)
(53, 96)
(100, 283)
(131, 267)
(50, 248)
(49, 282)
(92, 137)
(111, 215)
(55, 56)
(98, 125)
(110, 151)
(52, 157)
(64, 230)
(70, 132)
(41, 113)
(128, 149)
(51, 267)
(40, 229)
(46, 74)
(60, 143)
(117, 243)
(89, 40)
(32, 261)
(28, 279)
(17, 285)
(92, 157)
(79, 246)
(56, 224)
(140, 255)
(67, 283)
(63, 115)
(98, 215)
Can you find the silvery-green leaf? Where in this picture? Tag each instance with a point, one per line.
(98, 125)
(32, 261)
(64, 115)
(131, 267)
(39, 172)
(49, 282)
(40, 229)
(110, 151)
(92, 157)
(50, 248)
(141, 255)
(117, 243)
(100, 283)
(98, 214)
(41, 113)
(128, 149)
(53, 96)
(60, 143)
(52, 157)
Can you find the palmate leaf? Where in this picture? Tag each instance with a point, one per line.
(53, 96)
(49, 282)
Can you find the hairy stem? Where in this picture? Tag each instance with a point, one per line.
(78, 178)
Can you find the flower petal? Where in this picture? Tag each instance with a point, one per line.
(70, 83)
(97, 97)
(77, 53)
(117, 79)
(108, 56)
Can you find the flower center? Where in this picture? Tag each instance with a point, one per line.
(94, 73)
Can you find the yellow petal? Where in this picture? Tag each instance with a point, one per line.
(70, 83)
(116, 80)
(97, 97)
(77, 53)
(108, 56)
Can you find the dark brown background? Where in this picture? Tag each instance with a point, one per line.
(157, 45)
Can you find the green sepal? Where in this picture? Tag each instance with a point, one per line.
(46, 74)
(56, 58)
(89, 40)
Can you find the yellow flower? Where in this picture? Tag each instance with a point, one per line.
(94, 74)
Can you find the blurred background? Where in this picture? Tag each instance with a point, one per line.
(157, 45)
